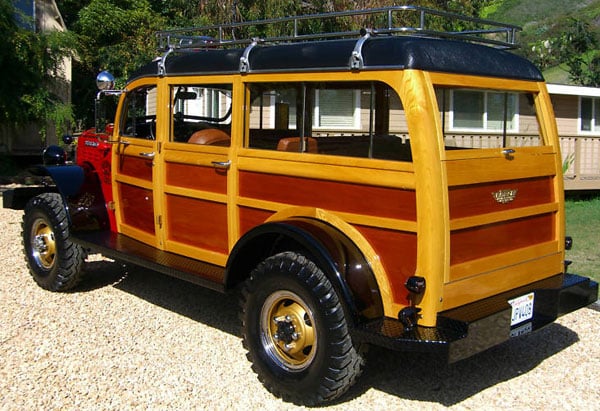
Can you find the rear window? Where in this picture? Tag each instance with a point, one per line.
(475, 118)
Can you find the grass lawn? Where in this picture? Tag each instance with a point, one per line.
(583, 224)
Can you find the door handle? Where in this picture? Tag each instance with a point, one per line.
(223, 165)
(148, 155)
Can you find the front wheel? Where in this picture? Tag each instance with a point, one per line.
(55, 263)
(295, 331)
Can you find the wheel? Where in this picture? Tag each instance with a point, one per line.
(55, 263)
(295, 331)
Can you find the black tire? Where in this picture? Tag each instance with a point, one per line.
(295, 331)
(55, 263)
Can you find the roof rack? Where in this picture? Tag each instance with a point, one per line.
(392, 20)
(429, 23)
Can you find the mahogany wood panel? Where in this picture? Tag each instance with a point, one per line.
(137, 207)
(478, 199)
(330, 195)
(478, 242)
(197, 223)
(252, 217)
(397, 251)
(137, 167)
(196, 177)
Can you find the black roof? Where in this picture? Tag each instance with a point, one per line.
(387, 52)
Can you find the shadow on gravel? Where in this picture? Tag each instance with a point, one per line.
(423, 377)
(418, 377)
(195, 302)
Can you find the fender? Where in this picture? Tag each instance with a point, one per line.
(82, 194)
(338, 257)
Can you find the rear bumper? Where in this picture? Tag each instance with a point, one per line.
(467, 330)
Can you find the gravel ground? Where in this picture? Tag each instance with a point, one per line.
(133, 339)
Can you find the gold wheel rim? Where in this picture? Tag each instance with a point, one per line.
(43, 244)
(288, 331)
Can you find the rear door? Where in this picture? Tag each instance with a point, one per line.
(504, 188)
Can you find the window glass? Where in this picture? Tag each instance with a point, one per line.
(483, 110)
(586, 114)
(500, 108)
(355, 119)
(201, 114)
(469, 109)
(336, 109)
(139, 114)
(487, 118)
(590, 114)
(596, 115)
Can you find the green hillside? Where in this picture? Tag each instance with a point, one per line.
(544, 23)
(540, 14)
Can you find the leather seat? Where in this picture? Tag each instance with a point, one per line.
(210, 136)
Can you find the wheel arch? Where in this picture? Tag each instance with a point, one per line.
(339, 258)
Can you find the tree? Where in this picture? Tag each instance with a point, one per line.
(115, 35)
(33, 63)
(118, 35)
(582, 55)
(570, 41)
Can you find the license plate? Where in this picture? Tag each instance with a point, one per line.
(522, 308)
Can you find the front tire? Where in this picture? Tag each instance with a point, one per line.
(295, 331)
(54, 261)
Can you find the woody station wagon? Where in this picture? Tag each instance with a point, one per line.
(326, 177)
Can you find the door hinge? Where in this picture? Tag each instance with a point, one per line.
(159, 221)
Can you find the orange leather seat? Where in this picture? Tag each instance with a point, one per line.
(210, 136)
(293, 144)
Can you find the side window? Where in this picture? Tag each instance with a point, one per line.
(353, 119)
(139, 115)
(201, 114)
(487, 118)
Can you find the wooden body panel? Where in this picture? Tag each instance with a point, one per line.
(137, 207)
(330, 195)
(435, 217)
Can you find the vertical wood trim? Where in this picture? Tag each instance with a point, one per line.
(549, 132)
(433, 243)
(239, 103)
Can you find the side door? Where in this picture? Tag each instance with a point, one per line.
(195, 164)
(134, 163)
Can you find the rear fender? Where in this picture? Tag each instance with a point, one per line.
(334, 253)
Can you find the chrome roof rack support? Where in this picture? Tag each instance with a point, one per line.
(244, 60)
(356, 59)
(162, 69)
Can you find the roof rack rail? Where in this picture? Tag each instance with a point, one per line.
(392, 20)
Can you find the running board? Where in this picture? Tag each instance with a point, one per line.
(126, 249)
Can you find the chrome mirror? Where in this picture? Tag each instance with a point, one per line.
(105, 81)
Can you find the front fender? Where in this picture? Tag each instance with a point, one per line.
(82, 194)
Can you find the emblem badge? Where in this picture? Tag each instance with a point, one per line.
(505, 196)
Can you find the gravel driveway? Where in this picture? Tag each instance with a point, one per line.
(133, 339)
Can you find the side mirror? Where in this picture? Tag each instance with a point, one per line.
(105, 81)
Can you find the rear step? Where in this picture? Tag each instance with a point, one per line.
(467, 330)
